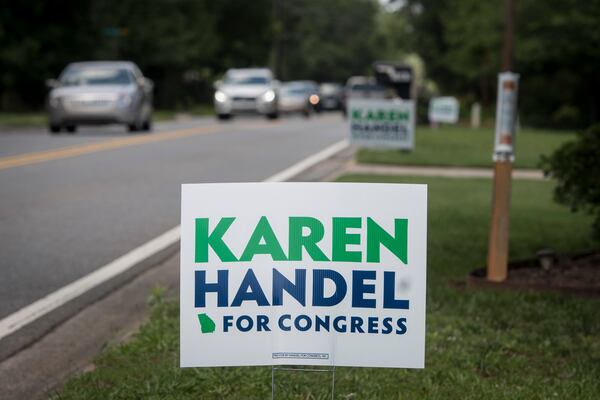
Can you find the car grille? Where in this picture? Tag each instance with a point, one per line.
(244, 99)
(91, 103)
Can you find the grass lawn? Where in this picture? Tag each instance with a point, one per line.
(480, 344)
(463, 146)
(23, 119)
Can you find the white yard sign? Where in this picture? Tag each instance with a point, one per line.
(303, 273)
(382, 123)
(444, 110)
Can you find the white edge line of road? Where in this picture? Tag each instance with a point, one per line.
(54, 300)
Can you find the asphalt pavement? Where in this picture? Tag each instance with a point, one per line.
(70, 204)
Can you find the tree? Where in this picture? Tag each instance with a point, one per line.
(576, 167)
(324, 41)
(556, 54)
(35, 39)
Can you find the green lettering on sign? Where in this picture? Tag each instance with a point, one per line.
(397, 244)
(263, 241)
(214, 240)
(309, 242)
(341, 238)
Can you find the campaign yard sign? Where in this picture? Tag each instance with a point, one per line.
(382, 123)
(303, 273)
(444, 110)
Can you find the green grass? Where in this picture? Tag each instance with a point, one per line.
(28, 119)
(462, 146)
(480, 344)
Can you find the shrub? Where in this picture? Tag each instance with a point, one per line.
(576, 167)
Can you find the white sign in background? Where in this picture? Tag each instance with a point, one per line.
(283, 336)
(382, 123)
(444, 110)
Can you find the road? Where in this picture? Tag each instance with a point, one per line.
(72, 203)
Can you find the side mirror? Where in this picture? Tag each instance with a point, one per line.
(52, 83)
(217, 84)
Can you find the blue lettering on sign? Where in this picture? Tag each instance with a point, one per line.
(317, 323)
(319, 299)
(389, 292)
(220, 287)
(297, 290)
(359, 288)
(250, 290)
(363, 284)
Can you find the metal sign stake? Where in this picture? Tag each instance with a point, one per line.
(290, 369)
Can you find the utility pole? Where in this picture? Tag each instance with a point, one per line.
(497, 265)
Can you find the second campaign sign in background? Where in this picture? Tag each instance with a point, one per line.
(303, 273)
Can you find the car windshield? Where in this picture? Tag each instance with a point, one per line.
(294, 90)
(367, 87)
(246, 80)
(329, 88)
(96, 76)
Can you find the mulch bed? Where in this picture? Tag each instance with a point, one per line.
(576, 274)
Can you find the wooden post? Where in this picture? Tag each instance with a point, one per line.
(497, 263)
(499, 227)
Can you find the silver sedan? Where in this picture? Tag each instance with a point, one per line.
(100, 92)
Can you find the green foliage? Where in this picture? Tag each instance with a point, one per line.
(324, 40)
(556, 53)
(576, 167)
(474, 44)
(181, 44)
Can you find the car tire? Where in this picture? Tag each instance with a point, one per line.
(71, 128)
(54, 129)
(147, 125)
(223, 117)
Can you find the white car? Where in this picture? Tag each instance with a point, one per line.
(247, 90)
(100, 92)
(294, 97)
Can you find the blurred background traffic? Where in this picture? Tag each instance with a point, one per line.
(184, 47)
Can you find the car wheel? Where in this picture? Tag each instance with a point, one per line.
(223, 117)
(147, 125)
(54, 128)
(71, 128)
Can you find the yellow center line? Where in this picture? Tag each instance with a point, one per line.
(73, 151)
(49, 155)
(67, 152)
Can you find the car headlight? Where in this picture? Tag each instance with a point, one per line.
(269, 96)
(220, 96)
(124, 100)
